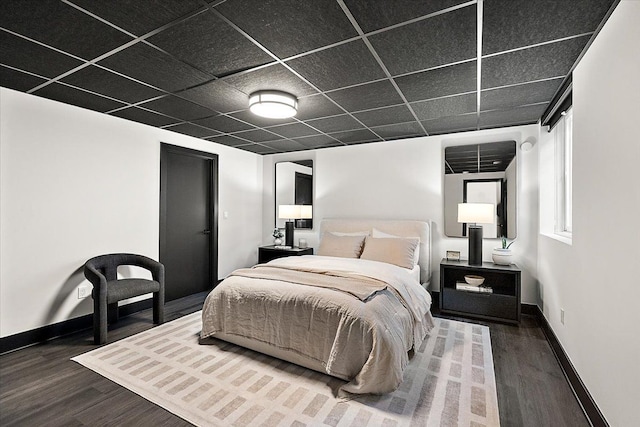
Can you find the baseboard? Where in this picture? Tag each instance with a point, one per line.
(46, 333)
(589, 406)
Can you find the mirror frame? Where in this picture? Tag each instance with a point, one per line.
(481, 171)
(301, 224)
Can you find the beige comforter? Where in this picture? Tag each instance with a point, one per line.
(358, 320)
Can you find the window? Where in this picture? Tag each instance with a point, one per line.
(563, 173)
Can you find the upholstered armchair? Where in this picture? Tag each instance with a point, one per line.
(102, 272)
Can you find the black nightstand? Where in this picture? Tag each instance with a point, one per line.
(502, 303)
(267, 253)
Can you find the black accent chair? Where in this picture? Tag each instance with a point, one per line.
(102, 272)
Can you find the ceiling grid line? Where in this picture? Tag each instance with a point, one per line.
(380, 62)
(479, 12)
(292, 71)
(116, 50)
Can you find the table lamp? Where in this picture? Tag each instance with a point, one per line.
(291, 213)
(288, 212)
(472, 214)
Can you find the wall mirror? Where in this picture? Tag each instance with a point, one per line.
(481, 173)
(294, 186)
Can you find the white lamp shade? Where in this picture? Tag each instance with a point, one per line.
(288, 211)
(479, 213)
(295, 211)
(273, 104)
(306, 211)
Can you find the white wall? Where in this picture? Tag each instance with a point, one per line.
(75, 183)
(403, 179)
(595, 279)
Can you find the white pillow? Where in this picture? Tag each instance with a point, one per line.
(341, 246)
(398, 251)
(355, 233)
(382, 235)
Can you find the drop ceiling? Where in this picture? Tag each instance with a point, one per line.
(363, 71)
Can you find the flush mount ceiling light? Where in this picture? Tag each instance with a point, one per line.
(273, 104)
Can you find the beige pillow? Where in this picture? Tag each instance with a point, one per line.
(341, 246)
(398, 251)
(382, 235)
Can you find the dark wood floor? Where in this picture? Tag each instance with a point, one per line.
(40, 386)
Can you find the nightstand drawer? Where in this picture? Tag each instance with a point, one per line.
(493, 305)
(268, 253)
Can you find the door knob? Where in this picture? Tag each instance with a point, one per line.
(206, 231)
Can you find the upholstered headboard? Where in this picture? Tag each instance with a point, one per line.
(402, 228)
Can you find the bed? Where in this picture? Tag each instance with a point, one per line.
(353, 313)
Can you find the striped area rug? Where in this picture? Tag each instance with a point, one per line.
(450, 381)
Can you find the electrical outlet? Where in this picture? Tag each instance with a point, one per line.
(84, 292)
(562, 316)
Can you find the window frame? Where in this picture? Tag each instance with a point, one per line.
(563, 223)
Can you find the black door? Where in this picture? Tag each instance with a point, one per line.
(303, 195)
(188, 220)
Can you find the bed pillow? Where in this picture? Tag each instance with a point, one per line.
(392, 250)
(382, 235)
(355, 233)
(341, 246)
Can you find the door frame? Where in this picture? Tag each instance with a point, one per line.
(165, 150)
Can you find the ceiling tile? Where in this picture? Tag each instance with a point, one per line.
(210, 44)
(145, 63)
(313, 107)
(511, 24)
(258, 149)
(385, 116)
(356, 136)
(293, 130)
(451, 80)
(218, 96)
(446, 38)
(273, 77)
(349, 63)
(80, 98)
(536, 63)
(57, 24)
(229, 140)
(513, 96)
(107, 83)
(335, 123)
(258, 135)
(401, 130)
(143, 116)
(140, 16)
(367, 96)
(287, 28)
(28, 56)
(249, 117)
(192, 130)
(317, 141)
(373, 15)
(224, 124)
(178, 107)
(513, 116)
(285, 145)
(449, 106)
(17, 80)
(451, 124)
